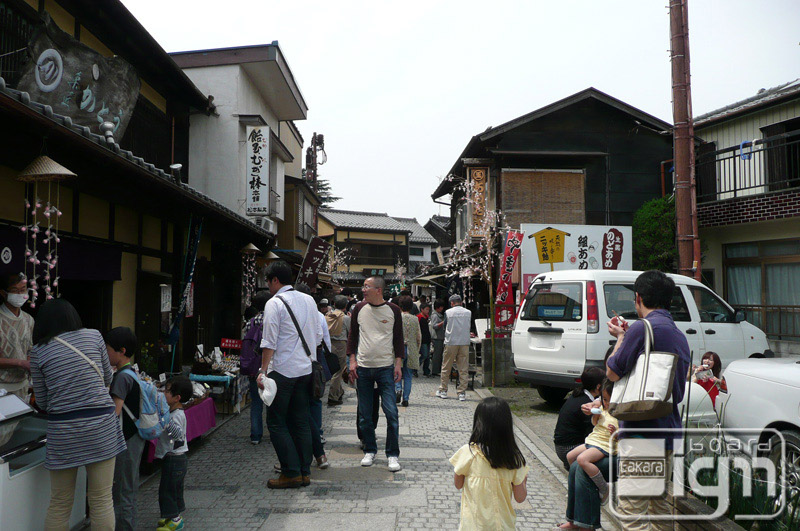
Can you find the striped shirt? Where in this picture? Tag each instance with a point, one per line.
(65, 383)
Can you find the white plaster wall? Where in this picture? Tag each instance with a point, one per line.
(426, 250)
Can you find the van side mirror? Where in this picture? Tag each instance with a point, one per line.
(739, 316)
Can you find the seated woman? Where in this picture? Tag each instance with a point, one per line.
(573, 424)
(707, 375)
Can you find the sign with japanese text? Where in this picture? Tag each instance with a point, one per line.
(257, 170)
(504, 300)
(479, 178)
(315, 258)
(562, 247)
(78, 82)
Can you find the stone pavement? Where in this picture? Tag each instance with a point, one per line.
(226, 482)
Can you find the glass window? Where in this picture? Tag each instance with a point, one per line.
(780, 248)
(416, 251)
(678, 308)
(555, 302)
(741, 250)
(711, 307)
(621, 299)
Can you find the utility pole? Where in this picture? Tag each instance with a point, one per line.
(317, 144)
(683, 142)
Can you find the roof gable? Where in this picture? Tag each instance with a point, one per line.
(763, 99)
(418, 232)
(352, 219)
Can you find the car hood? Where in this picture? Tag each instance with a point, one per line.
(785, 371)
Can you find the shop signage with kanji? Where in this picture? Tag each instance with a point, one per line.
(257, 170)
(504, 300)
(479, 177)
(315, 258)
(562, 247)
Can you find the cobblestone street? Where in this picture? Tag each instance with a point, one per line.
(226, 484)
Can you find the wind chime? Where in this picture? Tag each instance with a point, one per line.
(249, 272)
(41, 225)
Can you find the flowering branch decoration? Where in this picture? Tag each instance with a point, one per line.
(400, 271)
(338, 261)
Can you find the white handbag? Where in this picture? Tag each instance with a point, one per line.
(646, 392)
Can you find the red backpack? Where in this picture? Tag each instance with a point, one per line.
(250, 355)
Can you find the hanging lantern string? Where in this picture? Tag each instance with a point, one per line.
(58, 217)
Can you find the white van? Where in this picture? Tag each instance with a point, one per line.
(561, 328)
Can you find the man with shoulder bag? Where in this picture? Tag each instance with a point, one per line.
(291, 327)
(667, 357)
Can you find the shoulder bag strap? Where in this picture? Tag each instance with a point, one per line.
(84, 356)
(649, 340)
(296, 325)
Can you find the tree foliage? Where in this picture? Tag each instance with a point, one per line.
(325, 193)
(654, 236)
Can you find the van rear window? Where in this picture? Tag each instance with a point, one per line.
(554, 302)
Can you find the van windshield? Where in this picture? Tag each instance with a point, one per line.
(554, 302)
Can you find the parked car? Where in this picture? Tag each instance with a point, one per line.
(759, 394)
(561, 327)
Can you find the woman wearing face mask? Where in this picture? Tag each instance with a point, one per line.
(16, 328)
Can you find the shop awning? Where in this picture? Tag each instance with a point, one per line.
(428, 278)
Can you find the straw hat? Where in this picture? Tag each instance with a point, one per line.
(44, 169)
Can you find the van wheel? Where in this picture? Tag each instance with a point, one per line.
(553, 395)
(788, 470)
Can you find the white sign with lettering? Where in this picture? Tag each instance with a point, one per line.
(257, 170)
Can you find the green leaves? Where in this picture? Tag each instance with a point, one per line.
(654, 244)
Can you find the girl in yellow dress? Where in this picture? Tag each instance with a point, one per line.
(490, 469)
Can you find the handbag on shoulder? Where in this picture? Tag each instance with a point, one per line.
(646, 392)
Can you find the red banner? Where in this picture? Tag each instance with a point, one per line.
(504, 300)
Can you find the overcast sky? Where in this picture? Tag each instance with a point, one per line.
(399, 88)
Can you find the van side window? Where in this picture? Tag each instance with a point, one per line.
(677, 307)
(555, 302)
(621, 299)
(710, 306)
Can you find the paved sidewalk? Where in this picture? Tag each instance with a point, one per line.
(226, 482)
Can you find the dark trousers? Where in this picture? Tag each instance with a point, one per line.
(437, 345)
(256, 412)
(315, 422)
(289, 425)
(170, 489)
(384, 378)
(425, 358)
(376, 408)
(583, 498)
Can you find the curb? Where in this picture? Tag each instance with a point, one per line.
(546, 456)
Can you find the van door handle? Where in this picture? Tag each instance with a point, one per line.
(709, 332)
(691, 331)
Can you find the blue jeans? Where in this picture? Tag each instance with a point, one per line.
(384, 377)
(256, 412)
(425, 358)
(583, 498)
(170, 488)
(315, 420)
(404, 385)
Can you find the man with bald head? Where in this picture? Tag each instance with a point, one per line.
(376, 348)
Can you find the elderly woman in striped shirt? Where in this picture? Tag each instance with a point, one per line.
(71, 374)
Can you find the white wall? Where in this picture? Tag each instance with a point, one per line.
(426, 250)
(217, 148)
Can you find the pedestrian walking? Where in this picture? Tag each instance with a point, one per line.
(16, 331)
(122, 346)
(250, 361)
(376, 348)
(411, 337)
(71, 374)
(172, 449)
(456, 347)
(425, 345)
(286, 359)
(338, 326)
(573, 425)
(437, 337)
(490, 469)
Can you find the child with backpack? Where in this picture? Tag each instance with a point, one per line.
(490, 469)
(121, 345)
(171, 449)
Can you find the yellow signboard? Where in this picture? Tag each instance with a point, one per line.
(550, 245)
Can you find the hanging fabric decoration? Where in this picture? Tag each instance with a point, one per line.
(42, 224)
(249, 273)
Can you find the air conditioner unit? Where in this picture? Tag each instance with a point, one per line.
(267, 224)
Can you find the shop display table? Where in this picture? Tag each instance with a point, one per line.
(200, 418)
(236, 390)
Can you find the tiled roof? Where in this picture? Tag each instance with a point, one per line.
(764, 97)
(418, 233)
(156, 173)
(350, 219)
(440, 221)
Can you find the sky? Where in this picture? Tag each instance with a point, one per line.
(399, 88)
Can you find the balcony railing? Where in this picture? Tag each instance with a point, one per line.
(764, 165)
(274, 199)
(373, 260)
(307, 232)
(778, 322)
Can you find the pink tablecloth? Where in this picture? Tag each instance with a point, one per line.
(199, 419)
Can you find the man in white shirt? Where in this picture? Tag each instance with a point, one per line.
(458, 321)
(289, 365)
(376, 348)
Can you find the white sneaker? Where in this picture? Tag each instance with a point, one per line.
(394, 464)
(462, 397)
(368, 459)
(441, 394)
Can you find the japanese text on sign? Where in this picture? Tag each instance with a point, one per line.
(257, 170)
(316, 256)
(504, 316)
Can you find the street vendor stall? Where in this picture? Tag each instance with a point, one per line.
(221, 373)
(24, 482)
